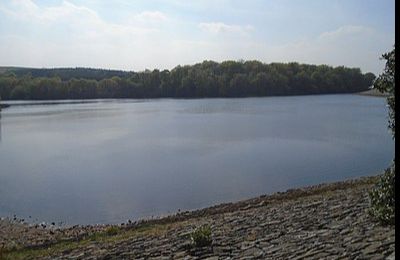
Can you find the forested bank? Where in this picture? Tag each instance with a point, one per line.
(206, 79)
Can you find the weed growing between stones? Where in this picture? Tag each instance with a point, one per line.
(113, 230)
(201, 236)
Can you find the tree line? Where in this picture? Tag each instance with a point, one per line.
(206, 79)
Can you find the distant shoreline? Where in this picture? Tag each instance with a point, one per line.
(30, 102)
(373, 93)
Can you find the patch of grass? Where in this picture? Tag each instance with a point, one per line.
(42, 252)
(113, 230)
(201, 236)
(112, 234)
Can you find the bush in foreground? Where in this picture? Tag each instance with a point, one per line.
(383, 198)
(201, 236)
(383, 195)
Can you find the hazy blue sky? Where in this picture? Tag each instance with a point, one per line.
(134, 35)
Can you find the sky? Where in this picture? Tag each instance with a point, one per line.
(161, 34)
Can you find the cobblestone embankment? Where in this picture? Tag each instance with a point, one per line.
(328, 221)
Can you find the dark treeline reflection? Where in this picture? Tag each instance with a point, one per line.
(206, 79)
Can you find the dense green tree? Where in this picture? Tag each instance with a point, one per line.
(238, 85)
(383, 196)
(206, 79)
(107, 88)
(385, 83)
(7, 84)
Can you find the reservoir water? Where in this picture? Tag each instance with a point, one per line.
(107, 161)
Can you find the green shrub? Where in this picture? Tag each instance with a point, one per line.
(201, 236)
(112, 230)
(382, 198)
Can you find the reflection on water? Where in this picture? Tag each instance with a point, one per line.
(107, 161)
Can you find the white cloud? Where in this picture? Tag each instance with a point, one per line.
(348, 30)
(72, 35)
(21, 9)
(151, 16)
(27, 10)
(79, 17)
(217, 28)
(352, 46)
(355, 46)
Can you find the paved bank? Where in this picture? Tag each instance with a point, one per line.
(326, 221)
(373, 92)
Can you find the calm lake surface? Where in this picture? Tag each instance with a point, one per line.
(109, 161)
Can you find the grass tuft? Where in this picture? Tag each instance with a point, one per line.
(201, 236)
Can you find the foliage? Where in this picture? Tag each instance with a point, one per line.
(386, 83)
(112, 230)
(201, 236)
(383, 197)
(69, 73)
(206, 79)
